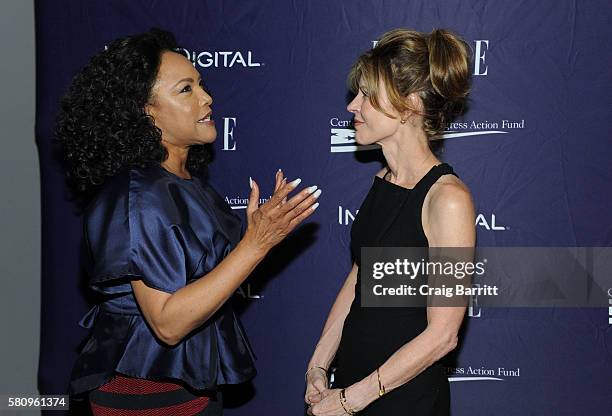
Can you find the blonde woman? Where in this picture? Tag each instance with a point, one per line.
(407, 88)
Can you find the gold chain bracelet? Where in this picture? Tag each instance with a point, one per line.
(381, 388)
(343, 403)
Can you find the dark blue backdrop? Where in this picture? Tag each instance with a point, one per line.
(533, 148)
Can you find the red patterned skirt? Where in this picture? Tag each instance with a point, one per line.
(127, 396)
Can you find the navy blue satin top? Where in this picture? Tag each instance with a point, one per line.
(150, 224)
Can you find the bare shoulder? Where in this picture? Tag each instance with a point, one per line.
(448, 215)
(448, 195)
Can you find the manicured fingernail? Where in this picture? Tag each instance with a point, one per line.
(318, 193)
(314, 206)
(295, 182)
(251, 182)
(312, 189)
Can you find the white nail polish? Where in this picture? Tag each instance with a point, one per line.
(295, 182)
(314, 206)
(318, 193)
(312, 189)
(251, 182)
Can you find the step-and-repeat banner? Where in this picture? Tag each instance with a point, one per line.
(534, 148)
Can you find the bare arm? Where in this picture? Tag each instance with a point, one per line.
(325, 351)
(450, 223)
(327, 346)
(332, 331)
(173, 316)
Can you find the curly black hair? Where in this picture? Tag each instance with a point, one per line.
(102, 126)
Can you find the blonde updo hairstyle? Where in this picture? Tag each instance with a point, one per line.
(433, 65)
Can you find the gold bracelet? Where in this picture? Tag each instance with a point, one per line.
(312, 368)
(381, 388)
(344, 404)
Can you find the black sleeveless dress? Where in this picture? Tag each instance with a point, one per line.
(390, 216)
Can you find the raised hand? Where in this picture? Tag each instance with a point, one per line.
(271, 222)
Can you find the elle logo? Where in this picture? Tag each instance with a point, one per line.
(229, 143)
(480, 51)
(474, 310)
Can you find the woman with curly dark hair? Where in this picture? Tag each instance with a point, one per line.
(166, 250)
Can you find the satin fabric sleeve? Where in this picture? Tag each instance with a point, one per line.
(134, 232)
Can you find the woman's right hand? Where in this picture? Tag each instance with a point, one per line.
(316, 384)
(271, 222)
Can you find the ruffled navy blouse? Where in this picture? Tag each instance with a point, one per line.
(150, 224)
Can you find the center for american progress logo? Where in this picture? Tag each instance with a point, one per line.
(342, 139)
